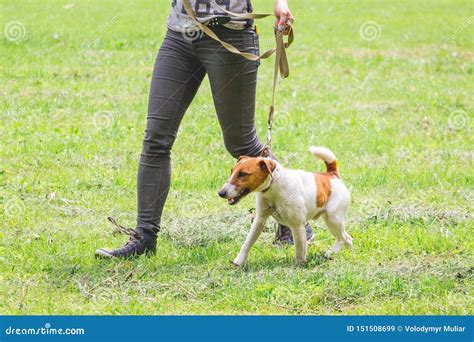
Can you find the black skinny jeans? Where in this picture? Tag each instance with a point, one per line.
(180, 67)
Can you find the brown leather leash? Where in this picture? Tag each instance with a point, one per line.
(281, 60)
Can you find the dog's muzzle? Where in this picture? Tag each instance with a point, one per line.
(222, 193)
(229, 192)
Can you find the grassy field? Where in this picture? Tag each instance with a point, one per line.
(386, 85)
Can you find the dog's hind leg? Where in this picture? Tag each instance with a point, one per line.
(257, 227)
(335, 223)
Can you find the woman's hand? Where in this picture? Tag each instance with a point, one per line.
(283, 15)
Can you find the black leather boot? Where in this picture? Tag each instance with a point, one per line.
(134, 247)
(140, 242)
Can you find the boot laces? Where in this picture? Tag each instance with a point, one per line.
(124, 230)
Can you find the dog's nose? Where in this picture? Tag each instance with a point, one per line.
(222, 193)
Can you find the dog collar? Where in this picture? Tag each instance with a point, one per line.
(272, 176)
(268, 187)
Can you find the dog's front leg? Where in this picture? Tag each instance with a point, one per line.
(255, 231)
(299, 236)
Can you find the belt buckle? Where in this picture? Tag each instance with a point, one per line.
(217, 21)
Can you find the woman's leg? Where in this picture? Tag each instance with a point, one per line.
(177, 75)
(233, 81)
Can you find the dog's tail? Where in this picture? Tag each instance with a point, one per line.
(328, 156)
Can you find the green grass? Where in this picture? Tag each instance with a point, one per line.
(397, 111)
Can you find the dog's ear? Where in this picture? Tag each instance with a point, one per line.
(267, 165)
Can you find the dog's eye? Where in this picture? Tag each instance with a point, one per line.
(242, 174)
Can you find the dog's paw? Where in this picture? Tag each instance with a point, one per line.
(235, 264)
(301, 263)
(329, 255)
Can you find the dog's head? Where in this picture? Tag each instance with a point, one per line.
(247, 175)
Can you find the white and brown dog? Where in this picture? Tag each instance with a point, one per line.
(292, 197)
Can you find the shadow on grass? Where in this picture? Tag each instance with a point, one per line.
(284, 260)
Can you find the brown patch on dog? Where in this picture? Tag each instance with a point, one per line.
(332, 168)
(323, 187)
(251, 172)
